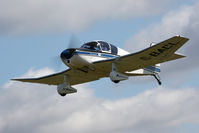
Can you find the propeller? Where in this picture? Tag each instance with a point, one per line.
(74, 42)
(56, 61)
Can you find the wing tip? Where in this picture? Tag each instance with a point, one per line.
(15, 79)
(23, 80)
(182, 37)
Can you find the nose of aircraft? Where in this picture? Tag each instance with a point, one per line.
(67, 54)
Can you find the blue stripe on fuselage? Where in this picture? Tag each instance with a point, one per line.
(96, 54)
(107, 55)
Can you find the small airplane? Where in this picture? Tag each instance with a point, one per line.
(99, 59)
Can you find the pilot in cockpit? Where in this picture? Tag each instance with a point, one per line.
(95, 47)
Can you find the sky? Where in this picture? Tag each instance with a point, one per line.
(34, 33)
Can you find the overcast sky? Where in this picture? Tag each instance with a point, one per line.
(34, 33)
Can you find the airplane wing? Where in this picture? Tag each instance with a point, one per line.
(159, 53)
(75, 77)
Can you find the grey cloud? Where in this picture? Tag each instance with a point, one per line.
(38, 108)
(26, 16)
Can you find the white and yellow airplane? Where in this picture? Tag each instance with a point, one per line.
(99, 59)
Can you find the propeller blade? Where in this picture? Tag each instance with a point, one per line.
(56, 62)
(74, 42)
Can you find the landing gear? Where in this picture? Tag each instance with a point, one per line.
(63, 94)
(157, 77)
(65, 88)
(116, 81)
(115, 76)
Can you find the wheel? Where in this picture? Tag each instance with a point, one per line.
(63, 94)
(116, 81)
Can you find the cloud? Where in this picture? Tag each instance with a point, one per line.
(26, 16)
(183, 21)
(38, 108)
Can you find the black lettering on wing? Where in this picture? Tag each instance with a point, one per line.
(145, 58)
(154, 54)
(161, 50)
(167, 46)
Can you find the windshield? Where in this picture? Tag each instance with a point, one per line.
(92, 46)
(114, 49)
(105, 46)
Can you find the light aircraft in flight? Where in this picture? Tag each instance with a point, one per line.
(99, 59)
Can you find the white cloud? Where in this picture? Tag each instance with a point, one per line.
(38, 108)
(185, 22)
(173, 23)
(27, 16)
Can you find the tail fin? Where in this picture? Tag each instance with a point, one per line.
(156, 72)
(157, 67)
(154, 69)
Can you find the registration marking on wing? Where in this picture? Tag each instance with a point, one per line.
(159, 51)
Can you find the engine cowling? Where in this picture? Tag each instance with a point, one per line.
(63, 89)
(116, 76)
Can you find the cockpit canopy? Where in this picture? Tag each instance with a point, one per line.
(100, 46)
